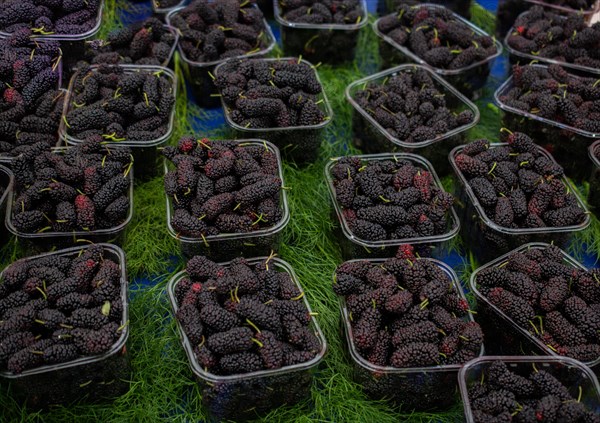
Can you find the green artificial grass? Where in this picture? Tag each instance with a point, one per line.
(162, 385)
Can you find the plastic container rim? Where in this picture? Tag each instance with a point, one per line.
(442, 71)
(401, 370)
(9, 186)
(71, 140)
(586, 13)
(591, 150)
(416, 159)
(438, 79)
(518, 231)
(117, 251)
(212, 378)
(480, 297)
(234, 236)
(325, 26)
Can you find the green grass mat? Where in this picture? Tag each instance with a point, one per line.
(162, 386)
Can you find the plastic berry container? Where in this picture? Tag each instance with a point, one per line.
(462, 7)
(419, 388)
(486, 238)
(200, 75)
(469, 80)
(325, 43)
(353, 247)
(568, 144)
(90, 379)
(371, 137)
(245, 396)
(226, 246)
(7, 181)
(48, 241)
(580, 381)
(145, 152)
(594, 193)
(298, 143)
(503, 335)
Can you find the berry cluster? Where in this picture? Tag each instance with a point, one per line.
(164, 4)
(554, 301)
(244, 317)
(517, 185)
(552, 93)
(119, 104)
(347, 12)
(573, 4)
(142, 43)
(59, 308)
(220, 29)
(390, 199)
(222, 187)
(49, 17)
(31, 105)
(436, 36)
(406, 312)
(271, 93)
(86, 188)
(526, 396)
(546, 34)
(410, 107)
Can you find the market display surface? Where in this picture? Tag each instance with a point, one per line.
(330, 240)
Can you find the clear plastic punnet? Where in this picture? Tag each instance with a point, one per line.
(298, 143)
(419, 388)
(354, 247)
(87, 379)
(568, 144)
(503, 335)
(226, 246)
(321, 43)
(246, 396)
(201, 74)
(486, 238)
(371, 137)
(468, 80)
(145, 152)
(7, 181)
(579, 380)
(594, 193)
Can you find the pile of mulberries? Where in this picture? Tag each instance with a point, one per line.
(30, 103)
(71, 17)
(573, 4)
(86, 188)
(529, 394)
(222, 187)
(436, 36)
(552, 93)
(220, 29)
(142, 43)
(546, 34)
(410, 107)
(517, 185)
(120, 104)
(389, 199)
(316, 12)
(58, 308)
(554, 301)
(406, 312)
(244, 317)
(164, 4)
(267, 93)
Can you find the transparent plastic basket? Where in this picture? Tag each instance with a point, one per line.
(486, 239)
(88, 379)
(7, 181)
(200, 75)
(503, 335)
(571, 373)
(244, 396)
(297, 143)
(227, 246)
(419, 388)
(47, 241)
(462, 7)
(469, 80)
(594, 192)
(145, 152)
(320, 43)
(568, 144)
(371, 137)
(354, 247)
